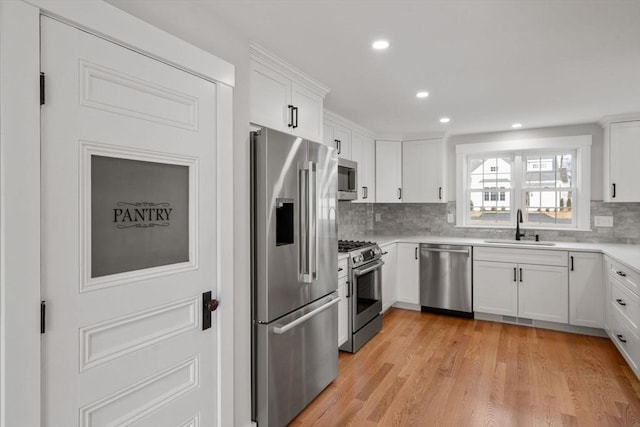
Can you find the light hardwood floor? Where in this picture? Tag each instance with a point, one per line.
(431, 370)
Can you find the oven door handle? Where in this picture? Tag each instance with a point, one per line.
(358, 272)
(284, 328)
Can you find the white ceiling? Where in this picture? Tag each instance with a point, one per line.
(486, 64)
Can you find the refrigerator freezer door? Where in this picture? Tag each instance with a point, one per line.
(296, 358)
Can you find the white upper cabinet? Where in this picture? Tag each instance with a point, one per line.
(363, 153)
(307, 113)
(623, 145)
(338, 137)
(423, 171)
(284, 98)
(388, 171)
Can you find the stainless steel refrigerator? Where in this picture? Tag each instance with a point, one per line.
(294, 274)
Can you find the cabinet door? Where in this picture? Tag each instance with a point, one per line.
(388, 171)
(422, 166)
(624, 152)
(343, 135)
(408, 273)
(586, 289)
(343, 311)
(363, 152)
(389, 275)
(309, 113)
(368, 175)
(543, 293)
(270, 94)
(495, 288)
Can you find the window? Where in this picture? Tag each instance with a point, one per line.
(539, 177)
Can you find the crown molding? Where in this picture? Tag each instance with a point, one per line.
(260, 54)
(629, 117)
(330, 115)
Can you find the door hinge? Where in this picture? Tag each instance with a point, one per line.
(41, 88)
(43, 313)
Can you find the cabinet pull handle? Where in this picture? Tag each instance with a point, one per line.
(384, 253)
(296, 110)
(621, 273)
(399, 193)
(290, 116)
(520, 275)
(416, 252)
(365, 191)
(340, 268)
(621, 302)
(621, 338)
(337, 145)
(614, 190)
(572, 263)
(348, 289)
(440, 193)
(515, 275)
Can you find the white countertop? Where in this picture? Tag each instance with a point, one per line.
(626, 254)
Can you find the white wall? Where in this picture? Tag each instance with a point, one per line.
(593, 129)
(201, 28)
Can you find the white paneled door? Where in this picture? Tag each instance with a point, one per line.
(128, 237)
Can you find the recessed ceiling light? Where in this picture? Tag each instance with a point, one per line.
(516, 125)
(380, 44)
(445, 120)
(422, 94)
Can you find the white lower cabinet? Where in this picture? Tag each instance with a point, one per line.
(535, 291)
(586, 289)
(343, 305)
(543, 293)
(389, 275)
(408, 273)
(622, 310)
(495, 288)
(343, 311)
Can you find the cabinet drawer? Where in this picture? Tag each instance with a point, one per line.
(623, 337)
(626, 302)
(625, 275)
(343, 267)
(521, 256)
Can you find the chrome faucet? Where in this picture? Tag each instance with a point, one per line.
(518, 222)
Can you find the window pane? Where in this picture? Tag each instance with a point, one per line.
(548, 171)
(493, 172)
(548, 207)
(490, 207)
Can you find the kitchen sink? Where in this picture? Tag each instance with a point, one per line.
(519, 242)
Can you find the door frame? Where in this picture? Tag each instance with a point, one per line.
(20, 350)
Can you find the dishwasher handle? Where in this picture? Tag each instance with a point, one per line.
(455, 251)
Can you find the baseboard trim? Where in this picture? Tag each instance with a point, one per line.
(596, 332)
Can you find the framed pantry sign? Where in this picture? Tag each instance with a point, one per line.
(139, 216)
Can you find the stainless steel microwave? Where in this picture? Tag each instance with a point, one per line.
(347, 180)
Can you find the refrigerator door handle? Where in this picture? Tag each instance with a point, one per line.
(304, 227)
(308, 224)
(284, 328)
(314, 226)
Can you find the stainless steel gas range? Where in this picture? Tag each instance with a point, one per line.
(364, 292)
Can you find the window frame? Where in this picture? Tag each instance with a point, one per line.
(581, 178)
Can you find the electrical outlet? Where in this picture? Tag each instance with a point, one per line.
(603, 221)
(450, 218)
(378, 217)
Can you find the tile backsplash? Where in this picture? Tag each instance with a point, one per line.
(431, 218)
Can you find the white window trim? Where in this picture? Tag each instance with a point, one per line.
(581, 144)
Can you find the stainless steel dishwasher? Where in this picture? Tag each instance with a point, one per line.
(445, 279)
